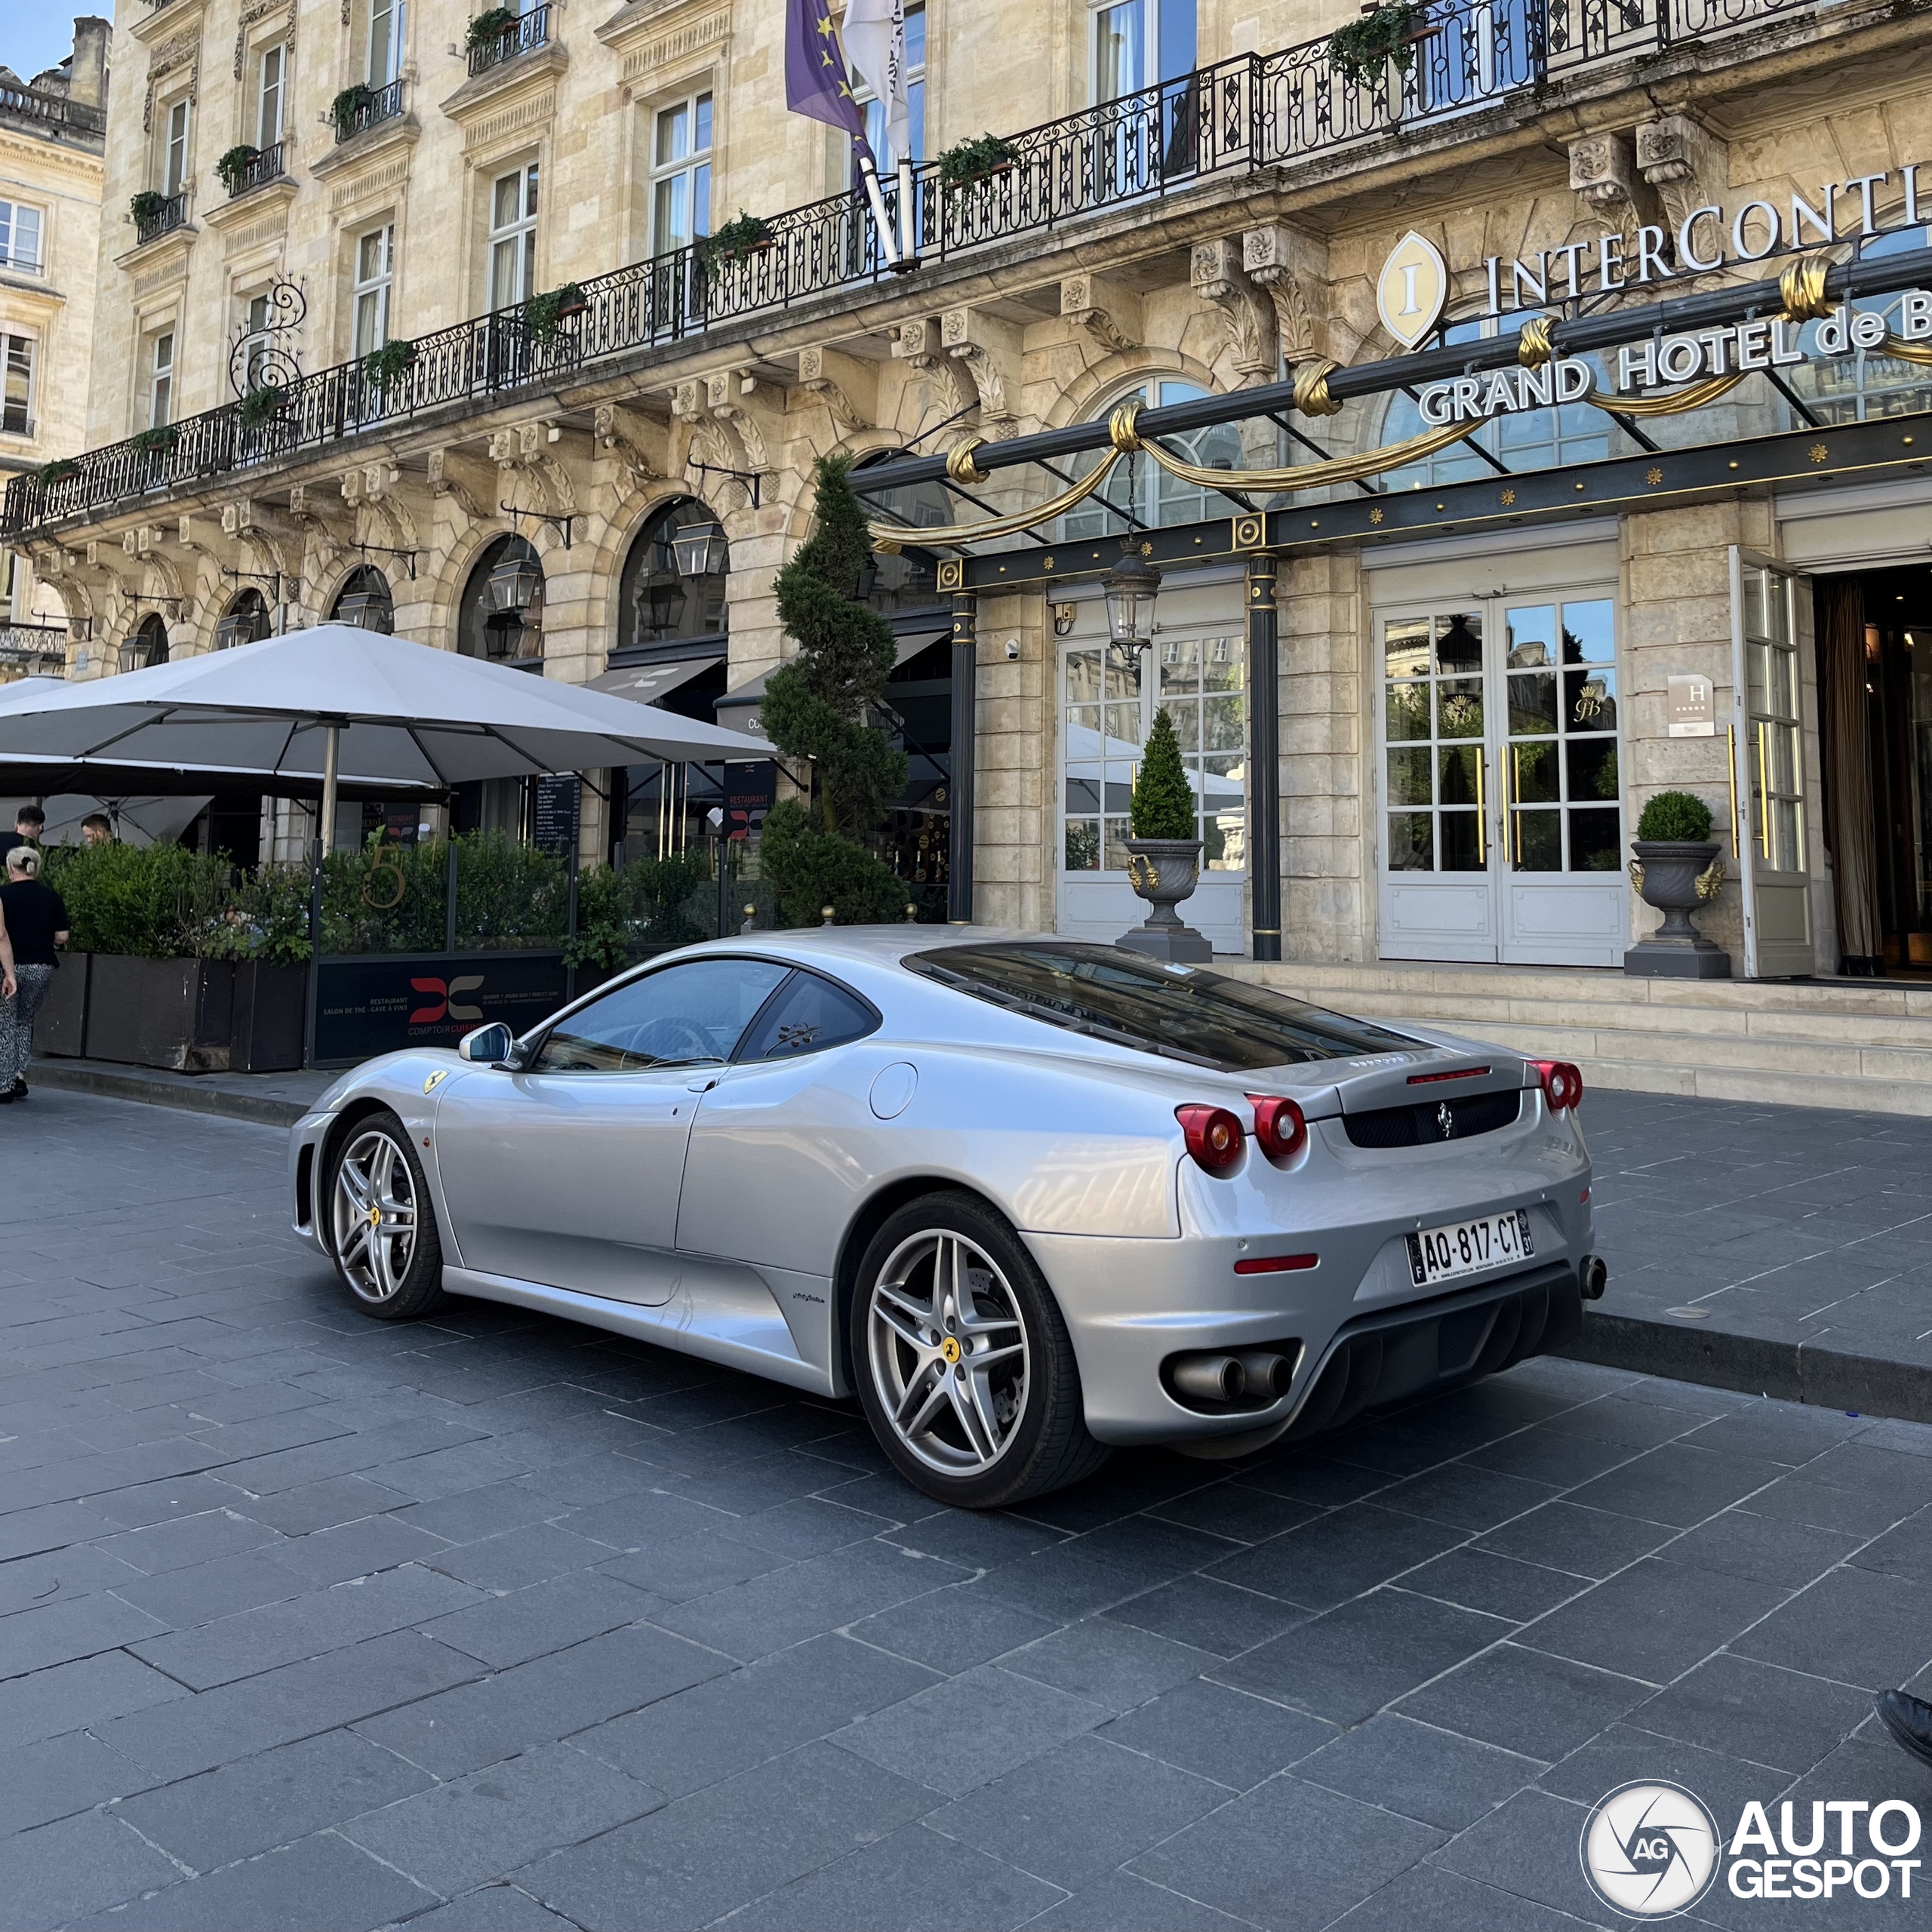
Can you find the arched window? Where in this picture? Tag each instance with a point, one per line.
(244, 621)
(148, 646)
(1571, 432)
(909, 581)
(1148, 491)
(669, 588)
(365, 600)
(501, 616)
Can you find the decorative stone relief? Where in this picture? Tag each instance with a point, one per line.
(523, 450)
(615, 430)
(1271, 257)
(848, 390)
(451, 476)
(1110, 315)
(1604, 176)
(183, 50)
(1216, 271)
(990, 350)
(1688, 167)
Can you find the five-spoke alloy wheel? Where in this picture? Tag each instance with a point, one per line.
(382, 1227)
(962, 1360)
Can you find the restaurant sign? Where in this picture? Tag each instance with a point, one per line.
(1732, 349)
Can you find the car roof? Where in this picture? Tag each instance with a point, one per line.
(877, 945)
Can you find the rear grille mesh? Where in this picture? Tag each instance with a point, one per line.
(1421, 1125)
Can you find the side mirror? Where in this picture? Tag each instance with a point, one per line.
(489, 1044)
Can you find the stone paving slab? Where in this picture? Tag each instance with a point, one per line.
(656, 1646)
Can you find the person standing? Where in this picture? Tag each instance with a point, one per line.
(97, 829)
(33, 925)
(29, 823)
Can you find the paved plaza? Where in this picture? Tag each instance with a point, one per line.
(494, 1623)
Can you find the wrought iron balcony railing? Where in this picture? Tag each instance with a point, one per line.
(377, 105)
(532, 30)
(266, 167)
(1254, 111)
(155, 222)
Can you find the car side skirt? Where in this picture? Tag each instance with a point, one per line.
(758, 1346)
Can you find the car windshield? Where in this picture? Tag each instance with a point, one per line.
(1181, 1012)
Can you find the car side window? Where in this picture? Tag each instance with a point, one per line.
(810, 1014)
(691, 1014)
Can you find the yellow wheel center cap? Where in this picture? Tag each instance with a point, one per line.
(949, 1347)
(375, 1217)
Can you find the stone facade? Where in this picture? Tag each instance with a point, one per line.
(1220, 283)
(51, 168)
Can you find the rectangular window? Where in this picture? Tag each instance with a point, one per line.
(160, 380)
(174, 160)
(386, 25)
(268, 116)
(19, 237)
(374, 262)
(681, 174)
(1139, 43)
(256, 335)
(16, 399)
(513, 238)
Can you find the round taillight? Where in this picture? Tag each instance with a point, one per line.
(1214, 1136)
(1562, 1084)
(1280, 1131)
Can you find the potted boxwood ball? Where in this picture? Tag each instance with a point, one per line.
(1163, 854)
(1676, 869)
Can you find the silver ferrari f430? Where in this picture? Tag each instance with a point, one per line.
(1026, 1197)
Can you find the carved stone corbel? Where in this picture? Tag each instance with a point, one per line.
(848, 390)
(1688, 167)
(1604, 177)
(726, 392)
(613, 429)
(524, 449)
(1111, 314)
(917, 343)
(453, 476)
(1215, 269)
(1284, 265)
(990, 350)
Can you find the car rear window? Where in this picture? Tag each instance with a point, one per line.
(1181, 1012)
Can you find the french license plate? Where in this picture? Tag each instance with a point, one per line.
(1467, 1247)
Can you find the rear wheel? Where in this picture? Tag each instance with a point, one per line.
(382, 1228)
(963, 1363)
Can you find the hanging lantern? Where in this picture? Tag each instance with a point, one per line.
(699, 548)
(514, 584)
(663, 597)
(247, 624)
(1131, 586)
(368, 610)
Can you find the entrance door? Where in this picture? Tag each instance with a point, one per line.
(1502, 827)
(1198, 673)
(1771, 619)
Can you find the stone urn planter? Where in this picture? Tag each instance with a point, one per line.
(1676, 876)
(1164, 871)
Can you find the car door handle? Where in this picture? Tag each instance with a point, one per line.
(701, 1086)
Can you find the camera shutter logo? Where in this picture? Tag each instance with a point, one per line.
(1651, 1849)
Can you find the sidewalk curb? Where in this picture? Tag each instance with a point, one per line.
(159, 1092)
(1791, 1371)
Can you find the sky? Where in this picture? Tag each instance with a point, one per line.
(34, 37)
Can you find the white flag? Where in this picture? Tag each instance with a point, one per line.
(875, 36)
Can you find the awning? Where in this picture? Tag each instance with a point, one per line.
(652, 683)
(737, 710)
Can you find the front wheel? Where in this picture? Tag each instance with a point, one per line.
(382, 1228)
(963, 1362)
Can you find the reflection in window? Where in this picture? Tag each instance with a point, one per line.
(686, 1015)
(1867, 385)
(657, 602)
(1560, 779)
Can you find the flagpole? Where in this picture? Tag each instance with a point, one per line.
(869, 175)
(908, 242)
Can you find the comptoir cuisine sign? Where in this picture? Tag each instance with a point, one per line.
(1732, 349)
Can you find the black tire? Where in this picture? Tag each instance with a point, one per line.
(397, 1275)
(992, 1436)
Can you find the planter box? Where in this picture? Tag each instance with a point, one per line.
(270, 1016)
(176, 1014)
(60, 1027)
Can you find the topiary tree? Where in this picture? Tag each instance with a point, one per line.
(1681, 816)
(1163, 803)
(818, 705)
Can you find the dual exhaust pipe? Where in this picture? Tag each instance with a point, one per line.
(1258, 1376)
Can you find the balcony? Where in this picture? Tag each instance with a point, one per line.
(1252, 114)
(245, 175)
(42, 648)
(368, 107)
(533, 30)
(157, 215)
(51, 110)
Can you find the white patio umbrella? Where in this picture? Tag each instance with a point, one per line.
(344, 704)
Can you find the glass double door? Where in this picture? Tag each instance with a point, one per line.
(1501, 812)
